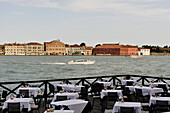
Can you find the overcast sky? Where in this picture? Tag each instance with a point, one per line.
(135, 22)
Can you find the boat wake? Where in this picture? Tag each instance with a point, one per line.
(55, 63)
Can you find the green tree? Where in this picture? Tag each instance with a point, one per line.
(98, 45)
(82, 44)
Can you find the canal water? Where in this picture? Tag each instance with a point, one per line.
(14, 68)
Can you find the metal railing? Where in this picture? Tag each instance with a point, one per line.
(114, 79)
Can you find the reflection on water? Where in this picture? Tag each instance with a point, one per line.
(50, 67)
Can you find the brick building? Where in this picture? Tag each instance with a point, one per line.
(115, 49)
(54, 47)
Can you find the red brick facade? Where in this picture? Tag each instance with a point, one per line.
(115, 49)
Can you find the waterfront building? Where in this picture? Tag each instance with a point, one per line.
(115, 49)
(14, 49)
(144, 51)
(2, 50)
(88, 50)
(34, 48)
(165, 50)
(75, 50)
(54, 47)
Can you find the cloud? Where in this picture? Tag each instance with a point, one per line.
(134, 7)
(20, 13)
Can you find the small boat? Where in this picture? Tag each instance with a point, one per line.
(81, 62)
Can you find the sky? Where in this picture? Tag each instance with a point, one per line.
(135, 22)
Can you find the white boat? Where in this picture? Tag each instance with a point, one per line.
(81, 61)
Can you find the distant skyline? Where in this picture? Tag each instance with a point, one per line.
(134, 22)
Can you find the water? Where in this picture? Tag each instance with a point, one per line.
(14, 68)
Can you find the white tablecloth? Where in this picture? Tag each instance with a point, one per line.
(136, 105)
(75, 104)
(61, 111)
(69, 87)
(32, 90)
(69, 95)
(123, 82)
(26, 102)
(157, 83)
(105, 92)
(105, 84)
(146, 90)
(153, 100)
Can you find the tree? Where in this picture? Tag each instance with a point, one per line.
(166, 46)
(82, 44)
(98, 45)
(66, 44)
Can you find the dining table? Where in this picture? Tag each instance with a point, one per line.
(136, 105)
(24, 102)
(75, 104)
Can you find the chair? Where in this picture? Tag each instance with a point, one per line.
(163, 86)
(61, 98)
(138, 94)
(57, 107)
(161, 105)
(24, 93)
(126, 110)
(95, 91)
(36, 106)
(14, 107)
(129, 83)
(4, 95)
(112, 97)
(83, 93)
(59, 88)
(127, 94)
(96, 88)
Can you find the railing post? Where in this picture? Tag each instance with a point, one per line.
(143, 81)
(45, 94)
(82, 81)
(114, 80)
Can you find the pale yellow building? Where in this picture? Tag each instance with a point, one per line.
(34, 48)
(79, 50)
(54, 47)
(88, 51)
(14, 49)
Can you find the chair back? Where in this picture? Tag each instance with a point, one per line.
(162, 105)
(163, 86)
(57, 107)
(126, 109)
(126, 91)
(14, 107)
(4, 94)
(60, 98)
(51, 88)
(24, 93)
(59, 88)
(138, 92)
(112, 96)
(97, 88)
(129, 83)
